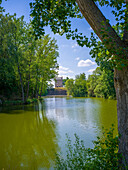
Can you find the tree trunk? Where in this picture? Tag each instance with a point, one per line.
(99, 23)
(37, 92)
(41, 91)
(28, 85)
(36, 89)
(22, 88)
(27, 91)
(28, 81)
(115, 45)
(121, 86)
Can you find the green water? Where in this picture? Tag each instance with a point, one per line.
(31, 135)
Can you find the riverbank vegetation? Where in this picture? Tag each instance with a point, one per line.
(26, 63)
(108, 42)
(104, 155)
(99, 84)
(77, 87)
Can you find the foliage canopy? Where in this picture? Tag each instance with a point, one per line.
(104, 155)
(26, 64)
(57, 14)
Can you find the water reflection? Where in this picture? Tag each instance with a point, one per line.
(89, 112)
(31, 135)
(84, 116)
(27, 140)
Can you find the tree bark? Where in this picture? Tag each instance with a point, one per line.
(37, 92)
(121, 86)
(99, 23)
(22, 88)
(41, 91)
(28, 84)
(27, 90)
(125, 36)
(119, 48)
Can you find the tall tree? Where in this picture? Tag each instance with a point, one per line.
(77, 88)
(19, 39)
(92, 82)
(57, 14)
(45, 63)
(101, 85)
(70, 86)
(25, 63)
(7, 48)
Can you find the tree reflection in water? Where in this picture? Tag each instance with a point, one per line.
(28, 139)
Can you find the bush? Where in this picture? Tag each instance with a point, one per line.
(103, 156)
(28, 101)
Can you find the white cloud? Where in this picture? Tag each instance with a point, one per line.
(70, 71)
(75, 45)
(64, 76)
(77, 58)
(85, 63)
(64, 71)
(63, 68)
(91, 70)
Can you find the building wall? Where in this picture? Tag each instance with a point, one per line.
(59, 82)
(57, 92)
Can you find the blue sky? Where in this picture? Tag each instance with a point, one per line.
(73, 59)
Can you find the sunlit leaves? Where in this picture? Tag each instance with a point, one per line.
(101, 83)
(103, 156)
(77, 88)
(57, 14)
(25, 61)
(119, 9)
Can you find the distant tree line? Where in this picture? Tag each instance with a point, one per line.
(77, 87)
(99, 84)
(26, 63)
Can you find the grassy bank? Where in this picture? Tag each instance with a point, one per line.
(18, 102)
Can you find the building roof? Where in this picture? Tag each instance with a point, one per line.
(59, 78)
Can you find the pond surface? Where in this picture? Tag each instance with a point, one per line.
(31, 135)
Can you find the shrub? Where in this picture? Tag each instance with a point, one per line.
(103, 156)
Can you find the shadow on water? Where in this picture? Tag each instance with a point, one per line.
(27, 140)
(18, 109)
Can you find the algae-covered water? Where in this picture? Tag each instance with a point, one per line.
(30, 135)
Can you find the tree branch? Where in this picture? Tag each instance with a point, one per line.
(125, 36)
(100, 24)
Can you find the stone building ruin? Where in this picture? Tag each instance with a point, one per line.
(59, 82)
